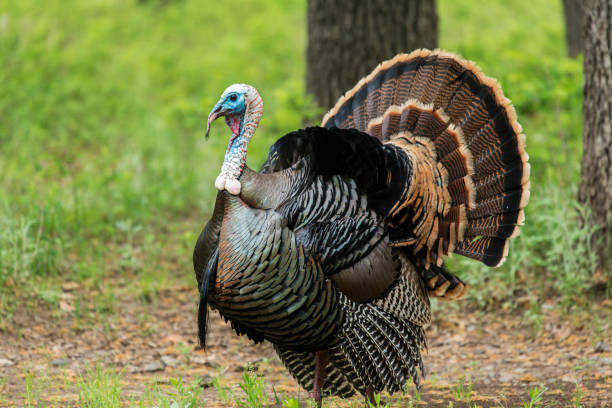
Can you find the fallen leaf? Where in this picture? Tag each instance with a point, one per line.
(70, 286)
(65, 306)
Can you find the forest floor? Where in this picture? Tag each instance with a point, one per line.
(474, 359)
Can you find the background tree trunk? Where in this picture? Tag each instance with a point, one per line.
(596, 187)
(573, 10)
(348, 38)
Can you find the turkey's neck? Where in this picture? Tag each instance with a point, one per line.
(243, 127)
(235, 155)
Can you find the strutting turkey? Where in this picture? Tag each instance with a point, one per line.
(331, 251)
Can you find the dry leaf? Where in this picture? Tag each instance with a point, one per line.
(70, 286)
(65, 306)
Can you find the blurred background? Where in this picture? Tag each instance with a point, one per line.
(106, 179)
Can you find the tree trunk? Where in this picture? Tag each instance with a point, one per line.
(348, 38)
(596, 186)
(573, 11)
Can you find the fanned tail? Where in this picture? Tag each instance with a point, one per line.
(470, 182)
(381, 348)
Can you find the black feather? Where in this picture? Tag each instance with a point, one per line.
(208, 276)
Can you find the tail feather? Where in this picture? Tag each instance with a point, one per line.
(379, 343)
(382, 377)
(301, 365)
(341, 364)
(443, 284)
(382, 349)
(477, 151)
(359, 360)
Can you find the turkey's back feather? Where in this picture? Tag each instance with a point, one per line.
(436, 96)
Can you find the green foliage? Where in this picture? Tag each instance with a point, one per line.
(23, 248)
(99, 388)
(32, 398)
(102, 117)
(291, 403)
(177, 394)
(535, 397)
(101, 120)
(222, 391)
(463, 390)
(254, 389)
(377, 402)
(578, 396)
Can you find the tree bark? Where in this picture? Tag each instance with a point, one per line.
(573, 10)
(348, 38)
(596, 186)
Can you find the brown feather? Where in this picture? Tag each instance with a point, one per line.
(475, 137)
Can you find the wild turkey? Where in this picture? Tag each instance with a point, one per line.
(329, 252)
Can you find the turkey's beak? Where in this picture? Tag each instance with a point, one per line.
(214, 114)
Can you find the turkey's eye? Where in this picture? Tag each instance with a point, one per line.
(233, 97)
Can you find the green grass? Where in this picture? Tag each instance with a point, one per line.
(105, 170)
(463, 390)
(254, 389)
(31, 391)
(178, 394)
(101, 110)
(99, 388)
(535, 397)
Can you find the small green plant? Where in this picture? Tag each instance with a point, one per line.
(377, 403)
(463, 390)
(416, 395)
(222, 391)
(501, 399)
(99, 388)
(185, 395)
(78, 313)
(180, 395)
(535, 397)
(31, 396)
(584, 363)
(254, 389)
(292, 402)
(534, 316)
(23, 248)
(578, 396)
(185, 350)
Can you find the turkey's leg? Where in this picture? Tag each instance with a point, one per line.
(369, 396)
(319, 376)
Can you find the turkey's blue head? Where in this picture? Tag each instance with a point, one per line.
(242, 108)
(232, 105)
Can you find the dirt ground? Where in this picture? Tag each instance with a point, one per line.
(474, 359)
